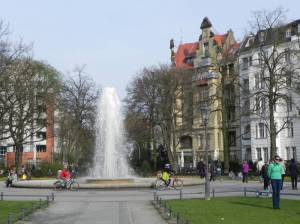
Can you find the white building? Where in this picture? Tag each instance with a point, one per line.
(255, 141)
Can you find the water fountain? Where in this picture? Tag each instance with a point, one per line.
(110, 159)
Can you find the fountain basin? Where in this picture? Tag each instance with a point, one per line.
(110, 180)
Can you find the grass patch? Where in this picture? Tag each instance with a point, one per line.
(237, 210)
(14, 207)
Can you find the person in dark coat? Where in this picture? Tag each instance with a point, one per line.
(294, 173)
(212, 171)
(201, 168)
(264, 174)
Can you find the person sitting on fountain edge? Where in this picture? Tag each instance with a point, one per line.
(65, 175)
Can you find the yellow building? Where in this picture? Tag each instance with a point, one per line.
(206, 59)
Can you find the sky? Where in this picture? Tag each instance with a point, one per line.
(116, 39)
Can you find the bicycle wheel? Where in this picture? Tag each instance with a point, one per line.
(74, 186)
(178, 184)
(160, 185)
(57, 185)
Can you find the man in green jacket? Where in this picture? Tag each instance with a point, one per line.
(275, 171)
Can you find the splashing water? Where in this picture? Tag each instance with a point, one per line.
(110, 159)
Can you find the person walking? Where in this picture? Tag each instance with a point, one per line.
(275, 171)
(201, 168)
(293, 169)
(264, 174)
(245, 171)
(212, 171)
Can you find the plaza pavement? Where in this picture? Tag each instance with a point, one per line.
(123, 206)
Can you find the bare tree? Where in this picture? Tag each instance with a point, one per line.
(153, 96)
(27, 92)
(77, 109)
(277, 65)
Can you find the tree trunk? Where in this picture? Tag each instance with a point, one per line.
(272, 132)
(18, 157)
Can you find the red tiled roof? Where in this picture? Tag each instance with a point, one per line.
(184, 52)
(219, 39)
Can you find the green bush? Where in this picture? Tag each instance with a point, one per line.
(46, 170)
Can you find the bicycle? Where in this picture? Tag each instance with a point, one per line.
(160, 184)
(71, 184)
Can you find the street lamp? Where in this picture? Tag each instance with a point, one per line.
(205, 116)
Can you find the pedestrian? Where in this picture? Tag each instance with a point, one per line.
(293, 169)
(264, 173)
(281, 162)
(201, 168)
(275, 171)
(245, 171)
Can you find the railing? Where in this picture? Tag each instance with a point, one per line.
(42, 202)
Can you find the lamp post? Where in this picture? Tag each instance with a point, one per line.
(205, 115)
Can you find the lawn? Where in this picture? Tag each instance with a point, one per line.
(245, 210)
(13, 207)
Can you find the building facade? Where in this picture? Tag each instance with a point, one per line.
(206, 59)
(255, 81)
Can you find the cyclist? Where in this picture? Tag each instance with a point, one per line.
(65, 175)
(167, 175)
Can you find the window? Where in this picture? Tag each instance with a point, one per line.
(260, 105)
(260, 130)
(258, 153)
(232, 138)
(41, 134)
(248, 154)
(231, 113)
(266, 154)
(294, 153)
(203, 93)
(250, 61)
(3, 150)
(259, 80)
(288, 33)
(247, 134)
(289, 104)
(244, 63)
(288, 153)
(200, 141)
(290, 129)
(41, 148)
(299, 28)
(205, 49)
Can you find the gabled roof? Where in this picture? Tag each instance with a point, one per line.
(184, 55)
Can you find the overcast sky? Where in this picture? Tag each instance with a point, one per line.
(116, 39)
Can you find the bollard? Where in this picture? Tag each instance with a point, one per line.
(180, 194)
(40, 203)
(177, 218)
(245, 192)
(1, 196)
(22, 214)
(52, 196)
(154, 195)
(159, 201)
(9, 220)
(213, 192)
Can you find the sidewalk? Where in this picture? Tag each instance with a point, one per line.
(97, 213)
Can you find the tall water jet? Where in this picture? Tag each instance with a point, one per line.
(110, 159)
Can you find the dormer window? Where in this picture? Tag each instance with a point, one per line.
(205, 49)
(262, 36)
(288, 33)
